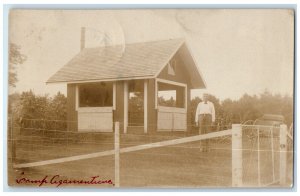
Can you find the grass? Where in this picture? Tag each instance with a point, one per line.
(180, 166)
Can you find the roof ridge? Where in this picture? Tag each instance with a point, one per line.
(153, 41)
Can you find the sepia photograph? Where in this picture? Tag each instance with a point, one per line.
(151, 98)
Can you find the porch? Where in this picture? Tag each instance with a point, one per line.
(159, 105)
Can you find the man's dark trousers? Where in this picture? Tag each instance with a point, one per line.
(205, 122)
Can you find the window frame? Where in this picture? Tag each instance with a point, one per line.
(172, 67)
(94, 109)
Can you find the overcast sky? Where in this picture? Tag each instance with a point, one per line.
(237, 51)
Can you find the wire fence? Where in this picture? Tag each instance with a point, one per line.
(260, 155)
(168, 159)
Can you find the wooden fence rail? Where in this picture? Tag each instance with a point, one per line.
(237, 159)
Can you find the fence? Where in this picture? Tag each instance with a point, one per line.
(265, 155)
(245, 155)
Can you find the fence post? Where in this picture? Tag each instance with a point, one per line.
(283, 155)
(13, 143)
(258, 157)
(272, 151)
(237, 162)
(117, 154)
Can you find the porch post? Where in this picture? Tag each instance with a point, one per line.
(114, 95)
(283, 154)
(125, 106)
(76, 97)
(145, 106)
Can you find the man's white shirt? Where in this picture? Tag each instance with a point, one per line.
(207, 108)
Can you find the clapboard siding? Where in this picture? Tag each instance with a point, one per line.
(95, 121)
(152, 112)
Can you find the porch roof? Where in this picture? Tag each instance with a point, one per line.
(123, 62)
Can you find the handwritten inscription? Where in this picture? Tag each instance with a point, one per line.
(57, 180)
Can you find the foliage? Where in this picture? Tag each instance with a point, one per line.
(168, 103)
(27, 105)
(249, 108)
(136, 109)
(15, 58)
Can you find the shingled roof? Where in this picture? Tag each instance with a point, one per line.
(131, 61)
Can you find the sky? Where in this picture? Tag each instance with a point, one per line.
(237, 51)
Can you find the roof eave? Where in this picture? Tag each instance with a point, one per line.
(174, 52)
(196, 66)
(102, 80)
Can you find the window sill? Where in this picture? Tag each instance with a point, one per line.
(95, 109)
(171, 109)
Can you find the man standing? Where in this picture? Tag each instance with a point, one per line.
(204, 118)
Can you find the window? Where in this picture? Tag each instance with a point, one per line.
(172, 67)
(171, 95)
(96, 95)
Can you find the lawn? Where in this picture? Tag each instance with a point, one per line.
(180, 166)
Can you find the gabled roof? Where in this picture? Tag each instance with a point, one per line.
(131, 61)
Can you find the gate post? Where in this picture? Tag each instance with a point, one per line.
(13, 141)
(283, 155)
(237, 161)
(117, 154)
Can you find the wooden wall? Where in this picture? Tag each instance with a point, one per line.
(152, 112)
(119, 112)
(189, 118)
(182, 76)
(72, 116)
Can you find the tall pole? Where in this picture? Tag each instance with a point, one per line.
(145, 106)
(117, 154)
(283, 155)
(125, 106)
(237, 167)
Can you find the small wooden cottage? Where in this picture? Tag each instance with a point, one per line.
(144, 86)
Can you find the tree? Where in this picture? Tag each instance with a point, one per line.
(15, 58)
(136, 108)
(27, 105)
(57, 108)
(249, 108)
(228, 112)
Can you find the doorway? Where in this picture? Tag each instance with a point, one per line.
(136, 105)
